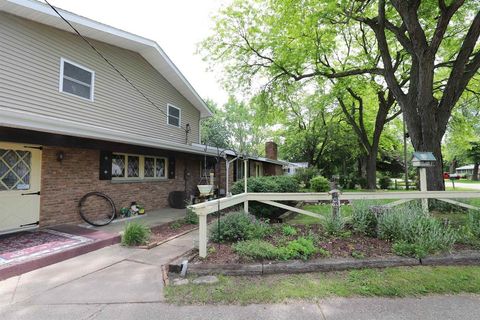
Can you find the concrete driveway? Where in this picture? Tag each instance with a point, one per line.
(121, 283)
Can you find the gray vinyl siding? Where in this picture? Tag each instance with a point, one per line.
(30, 56)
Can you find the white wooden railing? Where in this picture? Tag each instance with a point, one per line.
(206, 208)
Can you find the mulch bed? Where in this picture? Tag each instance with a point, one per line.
(339, 247)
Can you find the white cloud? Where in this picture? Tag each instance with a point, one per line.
(177, 26)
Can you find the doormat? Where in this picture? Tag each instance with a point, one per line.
(26, 245)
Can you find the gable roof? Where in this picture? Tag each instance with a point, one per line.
(149, 49)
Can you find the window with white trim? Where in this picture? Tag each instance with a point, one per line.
(174, 116)
(76, 79)
(134, 167)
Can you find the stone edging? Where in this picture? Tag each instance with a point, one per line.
(325, 265)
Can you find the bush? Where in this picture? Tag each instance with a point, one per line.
(239, 226)
(363, 219)
(305, 175)
(334, 225)
(384, 182)
(267, 184)
(289, 230)
(191, 217)
(413, 232)
(302, 248)
(473, 223)
(320, 184)
(135, 234)
(256, 249)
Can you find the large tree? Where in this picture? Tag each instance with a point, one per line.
(428, 52)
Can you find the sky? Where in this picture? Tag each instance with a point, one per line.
(176, 25)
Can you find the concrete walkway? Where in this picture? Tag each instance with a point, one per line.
(122, 283)
(471, 186)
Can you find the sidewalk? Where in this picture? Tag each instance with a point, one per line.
(123, 283)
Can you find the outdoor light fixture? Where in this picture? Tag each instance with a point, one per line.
(60, 156)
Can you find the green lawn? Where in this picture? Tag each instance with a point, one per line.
(326, 209)
(390, 282)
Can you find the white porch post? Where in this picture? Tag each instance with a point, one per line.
(202, 234)
(423, 187)
(245, 172)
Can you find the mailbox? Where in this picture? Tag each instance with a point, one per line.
(423, 159)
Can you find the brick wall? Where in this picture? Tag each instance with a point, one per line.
(64, 183)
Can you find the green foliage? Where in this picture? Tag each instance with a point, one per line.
(301, 248)
(334, 225)
(320, 184)
(288, 230)
(266, 184)
(177, 225)
(305, 175)
(135, 234)
(256, 249)
(363, 219)
(239, 226)
(473, 223)
(403, 248)
(384, 182)
(415, 232)
(191, 217)
(357, 255)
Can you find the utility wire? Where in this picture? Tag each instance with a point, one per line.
(109, 62)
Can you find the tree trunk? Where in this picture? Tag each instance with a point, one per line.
(372, 170)
(475, 171)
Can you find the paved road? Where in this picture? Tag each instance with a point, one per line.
(120, 283)
(473, 186)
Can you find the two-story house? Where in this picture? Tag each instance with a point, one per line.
(106, 111)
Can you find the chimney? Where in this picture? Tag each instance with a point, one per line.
(271, 150)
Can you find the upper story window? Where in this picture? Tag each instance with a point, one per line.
(174, 115)
(76, 80)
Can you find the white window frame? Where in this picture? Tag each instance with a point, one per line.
(179, 115)
(92, 85)
(141, 168)
(258, 170)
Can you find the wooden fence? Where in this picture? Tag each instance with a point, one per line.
(206, 208)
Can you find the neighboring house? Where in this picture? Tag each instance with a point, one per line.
(466, 171)
(292, 167)
(70, 124)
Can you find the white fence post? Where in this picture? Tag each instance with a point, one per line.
(423, 187)
(202, 233)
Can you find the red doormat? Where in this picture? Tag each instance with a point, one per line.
(27, 245)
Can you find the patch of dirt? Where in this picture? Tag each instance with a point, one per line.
(339, 247)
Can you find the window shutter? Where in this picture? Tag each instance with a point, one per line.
(105, 165)
(171, 168)
(235, 170)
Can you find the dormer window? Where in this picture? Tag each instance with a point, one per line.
(76, 80)
(174, 116)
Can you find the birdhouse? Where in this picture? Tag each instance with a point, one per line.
(423, 159)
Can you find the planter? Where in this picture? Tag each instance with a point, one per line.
(205, 188)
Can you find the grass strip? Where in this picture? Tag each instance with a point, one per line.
(390, 282)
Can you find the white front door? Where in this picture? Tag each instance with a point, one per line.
(20, 167)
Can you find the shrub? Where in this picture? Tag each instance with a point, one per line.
(267, 184)
(302, 248)
(289, 230)
(239, 226)
(191, 217)
(320, 184)
(256, 249)
(413, 232)
(334, 225)
(363, 219)
(384, 182)
(304, 175)
(135, 234)
(473, 223)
